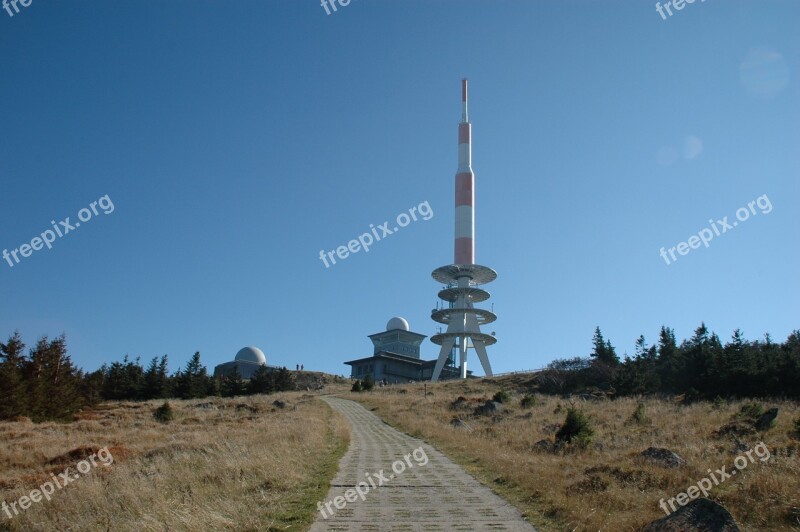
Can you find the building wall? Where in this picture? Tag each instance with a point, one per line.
(391, 370)
(246, 369)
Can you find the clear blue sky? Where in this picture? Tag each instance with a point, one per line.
(238, 138)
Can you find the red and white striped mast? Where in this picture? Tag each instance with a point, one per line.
(465, 189)
(463, 277)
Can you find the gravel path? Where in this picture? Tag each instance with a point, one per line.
(405, 485)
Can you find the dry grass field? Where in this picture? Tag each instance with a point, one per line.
(605, 486)
(221, 464)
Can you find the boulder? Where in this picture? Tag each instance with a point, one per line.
(662, 457)
(699, 515)
(490, 408)
(765, 421)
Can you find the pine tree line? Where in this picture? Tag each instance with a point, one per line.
(42, 385)
(45, 385)
(700, 367)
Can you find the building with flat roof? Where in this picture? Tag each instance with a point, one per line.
(396, 357)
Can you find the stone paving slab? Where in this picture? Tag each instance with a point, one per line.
(437, 496)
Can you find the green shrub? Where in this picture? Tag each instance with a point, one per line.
(501, 397)
(369, 383)
(639, 417)
(164, 413)
(576, 428)
(751, 410)
(528, 401)
(356, 386)
(718, 403)
(797, 428)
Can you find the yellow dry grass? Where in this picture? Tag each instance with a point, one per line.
(603, 487)
(221, 464)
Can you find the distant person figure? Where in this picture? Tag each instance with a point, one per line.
(301, 367)
(297, 367)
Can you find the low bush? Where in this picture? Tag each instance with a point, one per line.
(576, 429)
(164, 413)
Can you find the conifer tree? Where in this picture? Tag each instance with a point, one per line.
(193, 381)
(262, 381)
(156, 383)
(12, 386)
(53, 383)
(232, 385)
(283, 380)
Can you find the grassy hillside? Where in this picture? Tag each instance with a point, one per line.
(221, 464)
(603, 486)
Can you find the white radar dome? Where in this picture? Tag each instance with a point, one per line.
(251, 354)
(397, 323)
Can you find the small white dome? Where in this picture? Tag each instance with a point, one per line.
(251, 354)
(397, 323)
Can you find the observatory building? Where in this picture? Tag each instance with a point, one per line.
(247, 361)
(396, 356)
(463, 277)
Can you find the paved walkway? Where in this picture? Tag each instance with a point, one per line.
(436, 496)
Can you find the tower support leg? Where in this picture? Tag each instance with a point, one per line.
(480, 349)
(463, 351)
(444, 354)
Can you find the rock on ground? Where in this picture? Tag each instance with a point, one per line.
(700, 515)
(662, 457)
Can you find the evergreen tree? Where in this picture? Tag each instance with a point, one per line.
(638, 375)
(262, 381)
(211, 386)
(156, 380)
(670, 363)
(124, 381)
(788, 366)
(193, 381)
(603, 350)
(163, 375)
(735, 367)
(232, 385)
(599, 351)
(641, 347)
(12, 385)
(284, 381)
(92, 387)
(700, 355)
(53, 383)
